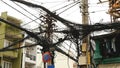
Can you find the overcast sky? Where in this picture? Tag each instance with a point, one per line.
(97, 11)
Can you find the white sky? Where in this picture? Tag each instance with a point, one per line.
(72, 14)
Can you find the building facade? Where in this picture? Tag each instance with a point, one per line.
(29, 54)
(63, 61)
(107, 51)
(8, 35)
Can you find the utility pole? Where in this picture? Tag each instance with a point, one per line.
(48, 52)
(85, 45)
(84, 7)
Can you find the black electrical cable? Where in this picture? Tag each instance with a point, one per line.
(63, 42)
(29, 22)
(98, 27)
(23, 30)
(15, 43)
(29, 33)
(58, 49)
(57, 5)
(61, 51)
(27, 11)
(22, 13)
(8, 32)
(63, 46)
(21, 25)
(18, 10)
(6, 48)
(68, 8)
(18, 27)
(65, 22)
(72, 12)
(104, 26)
(64, 6)
(12, 49)
(34, 5)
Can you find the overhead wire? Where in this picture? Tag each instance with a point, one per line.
(56, 6)
(63, 42)
(18, 27)
(29, 22)
(71, 12)
(17, 10)
(64, 21)
(12, 49)
(31, 34)
(61, 51)
(64, 6)
(8, 32)
(65, 48)
(15, 43)
(68, 8)
(21, 25)
(27, 11)
(21, 13)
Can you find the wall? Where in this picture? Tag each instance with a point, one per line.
(17, 63)
(2, 29)
(12, 56)
(63, 61)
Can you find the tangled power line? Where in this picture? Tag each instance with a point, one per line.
(74, 31)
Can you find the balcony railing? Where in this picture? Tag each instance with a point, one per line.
(32, 57)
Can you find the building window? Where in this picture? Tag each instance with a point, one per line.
(7, 64)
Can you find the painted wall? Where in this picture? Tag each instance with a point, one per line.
(10, 56)
(63, 61)
(17, 63)
(2, 29)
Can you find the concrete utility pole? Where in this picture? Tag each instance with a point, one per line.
(47, 51)
(85, 52)
(84, 7)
